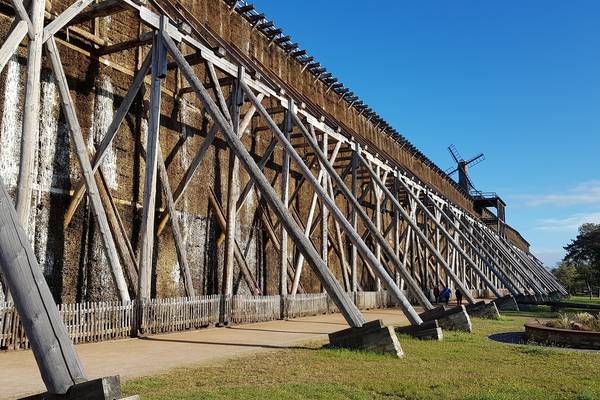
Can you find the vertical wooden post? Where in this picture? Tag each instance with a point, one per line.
(53, 350)
(233, 182)
(396, 218)
(378, 193)
(354, 221)
(438, 247)
(31, 112)
(285, 181)
(159, 70)
(324, 211)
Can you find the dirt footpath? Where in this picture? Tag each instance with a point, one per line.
(132, 358)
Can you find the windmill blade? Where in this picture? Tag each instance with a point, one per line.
(451, 170)
(476, 160)
(455, 154)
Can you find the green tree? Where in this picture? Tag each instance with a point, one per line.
(583, 253)
(567, 275)
(586, 247)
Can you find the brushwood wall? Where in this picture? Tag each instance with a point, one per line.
(72, 257)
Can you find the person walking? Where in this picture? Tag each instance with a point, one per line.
(445, 295)
(459, 297)
(436, 294)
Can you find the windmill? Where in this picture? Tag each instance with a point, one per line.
(462, 167)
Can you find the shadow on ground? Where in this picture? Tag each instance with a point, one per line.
(509, 337)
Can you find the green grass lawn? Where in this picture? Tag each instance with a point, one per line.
(462, 366)
(583, 300)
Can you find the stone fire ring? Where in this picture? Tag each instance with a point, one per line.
(536, 332)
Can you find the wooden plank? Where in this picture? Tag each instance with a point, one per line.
(24, 16)
(159, 64)
(55, 355)
(142, 40)
(324, 210)
(121, 241)
(233, 180)
(64, 18)
(86, 168)
(12, 42)
(354, 222)
(31, 113)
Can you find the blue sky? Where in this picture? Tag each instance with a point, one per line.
(518, 81)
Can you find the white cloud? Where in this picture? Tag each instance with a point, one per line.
(582, 193)
(570, 223)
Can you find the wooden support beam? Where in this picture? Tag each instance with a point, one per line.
(159, 65)
(238, 254)
(86, 168)
(64, 18)
(336, 213)
(309, 225)
(377, 267)
(441, 213)
(31, 113)
(24, 16)
(261, 165)
(285, 182)
(233, 180)
(347, 308)
(177, 236)
(324, 211)
(339, 248)
(143, 39)
(454, 243)
(101, 151)
(214, 78)
(197, 161)
(118, 231)
(102, 9)
(354, 222)
(12, 42)
(54, 352)
(268, 225)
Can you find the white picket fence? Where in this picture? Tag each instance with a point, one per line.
(96, 322)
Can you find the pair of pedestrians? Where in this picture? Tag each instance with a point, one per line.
(445, 294)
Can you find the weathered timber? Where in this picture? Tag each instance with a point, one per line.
(350, 312)
(54, 353)
(86, 168)
(31, 112)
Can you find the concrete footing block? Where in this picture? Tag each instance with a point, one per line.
(485, 310)
(428, 330)
(506, 303)
(452, 319)
(108, 388)
(372, 336)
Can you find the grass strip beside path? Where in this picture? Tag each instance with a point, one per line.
(462, 366)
